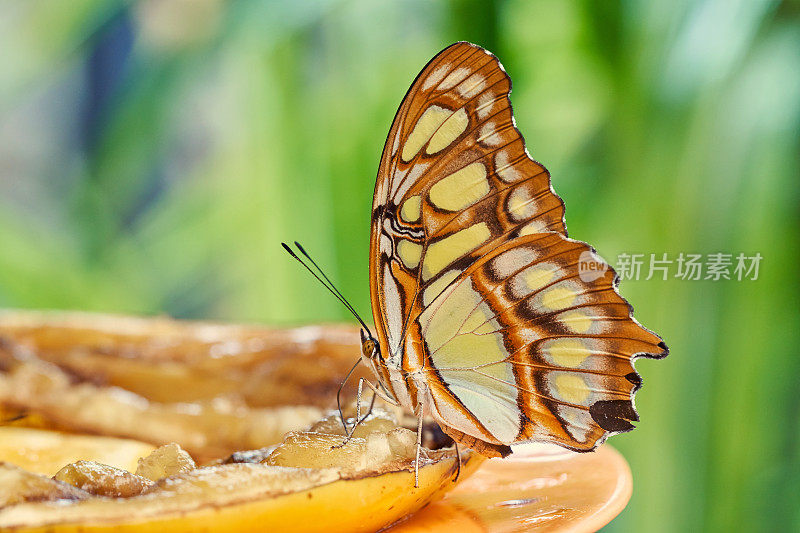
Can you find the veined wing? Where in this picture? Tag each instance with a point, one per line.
(475, 285)
(524, 345)
(454, 164)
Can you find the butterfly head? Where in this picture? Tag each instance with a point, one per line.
(370, 349)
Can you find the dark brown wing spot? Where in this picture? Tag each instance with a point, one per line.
(634, 378)
(614, 415)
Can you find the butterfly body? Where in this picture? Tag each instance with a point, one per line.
(484, 320)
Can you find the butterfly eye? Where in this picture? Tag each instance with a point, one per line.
(369, 348)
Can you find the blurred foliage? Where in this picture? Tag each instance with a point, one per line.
(154, 154)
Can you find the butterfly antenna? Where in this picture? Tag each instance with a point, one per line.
(329, 285)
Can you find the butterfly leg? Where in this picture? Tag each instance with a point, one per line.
(371, 406)
(348, 433)
(358, 406)
(339, 394)
(419, 443)
(359, 419)
(382, 395)
(458, 462)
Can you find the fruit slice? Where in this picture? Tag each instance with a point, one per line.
(103, 480)
(345, 495)
(167, 360)
(247, 497)
(206, 430)
(165, 461)
(18, 486)
(45, 452)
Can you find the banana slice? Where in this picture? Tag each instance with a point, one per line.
(363, 485)
(165, 461)
(206, 430)
(102, 480)
(19, 486)
(45, 452)
(169, 361)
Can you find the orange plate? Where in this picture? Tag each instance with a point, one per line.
(538, 488)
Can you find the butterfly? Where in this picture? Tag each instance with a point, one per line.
(489, 319)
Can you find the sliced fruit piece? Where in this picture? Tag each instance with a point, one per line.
(19, 486)
(378, 449)
(103, 480)
(45, 452)
(266, 497)
(379, 420)
(167, 360)
(207, 430)
(165, 461)
(249, 497)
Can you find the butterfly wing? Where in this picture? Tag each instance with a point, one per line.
(453, 159)
(455, 188)
(530, 347)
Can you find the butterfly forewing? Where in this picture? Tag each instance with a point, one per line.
(476, 290)
(453, 160)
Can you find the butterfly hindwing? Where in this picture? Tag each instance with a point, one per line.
(531, 348)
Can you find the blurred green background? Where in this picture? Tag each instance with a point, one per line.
(154, 154)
